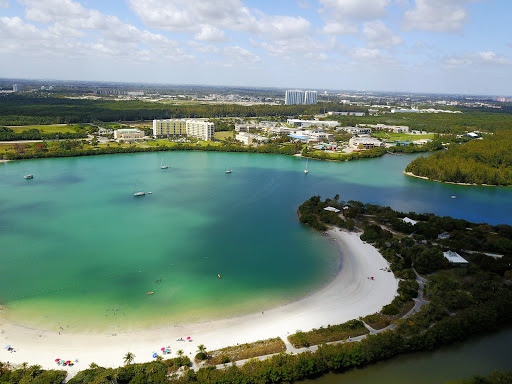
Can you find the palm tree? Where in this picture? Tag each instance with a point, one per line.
(24, 366)
(93, 365)
(201, 349)
(180, 352)
(128, 358)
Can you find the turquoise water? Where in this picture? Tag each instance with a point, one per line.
(76, 245)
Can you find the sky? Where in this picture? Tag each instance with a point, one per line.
(438, 46)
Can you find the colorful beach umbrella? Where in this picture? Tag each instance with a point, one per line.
(162, 349)
(188, 338)
(154, 355)
(56, 360)
(7, 347)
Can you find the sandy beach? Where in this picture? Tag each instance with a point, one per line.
(350, 295)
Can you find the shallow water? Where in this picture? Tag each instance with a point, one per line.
(79, 251)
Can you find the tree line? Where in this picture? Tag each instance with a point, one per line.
(487, 161)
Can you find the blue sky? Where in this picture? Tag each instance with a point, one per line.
(445, 46)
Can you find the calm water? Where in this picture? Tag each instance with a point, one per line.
(76, 244)
(478, 356)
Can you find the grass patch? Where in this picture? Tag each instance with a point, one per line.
(401, 136)
(246, 351)
(321, 335)
(56, 128)
(377, 321)
(222, 135)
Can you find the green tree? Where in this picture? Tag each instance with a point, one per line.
(128, 358)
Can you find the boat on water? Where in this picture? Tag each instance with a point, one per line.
(140, 193)
(28, 176)
(228, 170)
(162, 166)
(149, 293)
(306, 170)
(454, 197)
(218, 274)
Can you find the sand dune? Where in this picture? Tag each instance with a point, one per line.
(350, 295)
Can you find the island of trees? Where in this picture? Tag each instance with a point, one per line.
(487, 161)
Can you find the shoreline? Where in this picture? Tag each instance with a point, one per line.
(349, 295)
(453, 183)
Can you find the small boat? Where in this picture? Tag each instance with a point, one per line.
(140, 193)
(218, 274)
(149, 293)
(454, 197)
(306, 170)
(28, 176)
(228, 170)
(162, 166)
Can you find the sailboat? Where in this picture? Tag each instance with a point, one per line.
(138, 192)
(228, 170)
(306, 170)
(28, 176)
(162, 166)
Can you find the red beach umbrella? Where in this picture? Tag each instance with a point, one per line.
(188, 338)
(162, 349)
(57, 360)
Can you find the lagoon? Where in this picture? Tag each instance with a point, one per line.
(80, 252)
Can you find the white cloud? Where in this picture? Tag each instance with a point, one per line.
(477, 59)
(437, 15)
(210, 33)
(354, 9)
(378, 35)
(336, 28)
(366, 54)
(241, 54)
(4, 3)
(201, 17)
(304, 4)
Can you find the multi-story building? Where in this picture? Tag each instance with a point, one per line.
(294, 97)
(15, 88)
(202, 130)
(365, 143)
(310, 97)
(169, 128)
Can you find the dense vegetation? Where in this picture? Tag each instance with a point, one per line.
(487, 161)
(496, 377)
(7, 134)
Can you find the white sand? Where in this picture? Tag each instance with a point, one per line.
(350, 295)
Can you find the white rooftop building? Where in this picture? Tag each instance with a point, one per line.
(455, 258)
(309, 123)
(409, 221)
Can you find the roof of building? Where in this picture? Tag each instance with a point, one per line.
(410, 221)
(454, 257)
(299, 137)
(332, 209)
(128, 130)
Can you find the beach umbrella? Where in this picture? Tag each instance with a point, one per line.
(7, 347)
(68, 362)
(188, 338)
(162, 349)
(56, 360)
(155, 355)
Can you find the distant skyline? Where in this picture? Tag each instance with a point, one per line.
(429, 46)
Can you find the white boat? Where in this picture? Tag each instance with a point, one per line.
(228, 170)
(454, 197)
(140, 193)
(306, 170)
(162, 166)
(28, 176)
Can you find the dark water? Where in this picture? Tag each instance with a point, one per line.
(478, 356)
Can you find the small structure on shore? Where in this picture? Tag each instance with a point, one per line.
(455, 258)
(332, 209)
(409, 221)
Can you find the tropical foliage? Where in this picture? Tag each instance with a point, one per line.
(487, 161)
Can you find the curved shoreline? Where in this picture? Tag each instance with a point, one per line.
(350, 295)
(451, 182)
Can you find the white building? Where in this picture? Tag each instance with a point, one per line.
(293, 97)
(309, 123)
(310, 97)
(346, 113)
(15, 88)
(128, 135)
(249, 139)
(365, 142)
(202, 130)
(455, 258)
(356, 130)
